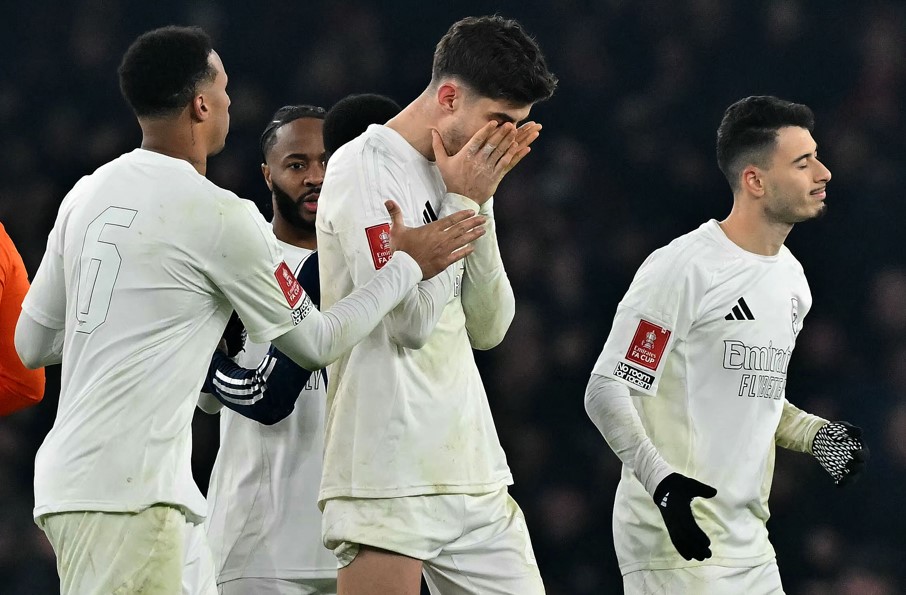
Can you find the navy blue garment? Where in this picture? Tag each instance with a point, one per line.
(268, 393)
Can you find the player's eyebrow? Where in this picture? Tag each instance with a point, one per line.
(502, 117)
(803, 156)
(304, 156)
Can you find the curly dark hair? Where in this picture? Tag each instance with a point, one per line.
(162, 69)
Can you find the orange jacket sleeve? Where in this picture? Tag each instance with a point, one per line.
(19, 386)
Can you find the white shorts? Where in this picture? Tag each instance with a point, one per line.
(153, 552)
(705, 580)
(277, 586)
(469, 544)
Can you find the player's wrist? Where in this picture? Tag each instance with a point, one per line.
(407, 265)
(656, 477)
(455, 201)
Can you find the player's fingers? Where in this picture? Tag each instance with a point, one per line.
(480, 138)
(699, 489)
(501, 148)
(698, 544)
(853, 431)
(437, 143)
(451, 220)
(528, 140)
(460, 253)
(500, 136)
(472, 223)
(396, 214)
(515, 159)
(527, 130)
(506, 161)
(467, 236)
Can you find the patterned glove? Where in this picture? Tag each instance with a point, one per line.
(673, 497)
(234, 335)
(838, 447)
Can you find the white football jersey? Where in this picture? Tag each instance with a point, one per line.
(141, 268)
(403, 421)
(263, 517)
(703, 338)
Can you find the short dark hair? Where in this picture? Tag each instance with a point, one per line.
(161, 70)
(284, 116)
(350, 117)
(495, 57)
(748, 132)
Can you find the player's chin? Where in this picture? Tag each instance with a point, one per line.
(218, 148)
(813, 212)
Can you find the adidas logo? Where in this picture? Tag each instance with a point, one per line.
(428, 215)
(664, 500)
(740, 311)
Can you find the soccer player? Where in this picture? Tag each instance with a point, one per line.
(19, 386)
(264, 526)
(414, 476)
(689, 388)
(145, 262)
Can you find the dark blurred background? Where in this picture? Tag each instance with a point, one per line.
(625, 163)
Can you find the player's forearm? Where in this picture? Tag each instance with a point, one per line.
(487, 296)
(796, 430)
(322, 337)
(413, 320)
(489, 309)
(609, 405)
(37, 345)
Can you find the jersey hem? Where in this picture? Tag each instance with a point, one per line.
(422, 490)
(674, 564)
(192, 516)
(286, 575)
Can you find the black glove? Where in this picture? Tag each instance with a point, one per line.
(234, 335)
(673, 497)
(838, 447)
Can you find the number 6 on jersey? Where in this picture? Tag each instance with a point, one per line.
(99, 265)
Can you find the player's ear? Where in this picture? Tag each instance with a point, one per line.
(266, 172)
(199, 110)
(752, 180)
(448, 96)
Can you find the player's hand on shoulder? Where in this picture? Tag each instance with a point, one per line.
(477, 169)
(437, 245)
(673, 497)
(839, 449)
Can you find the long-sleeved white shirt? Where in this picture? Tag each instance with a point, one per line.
(408, 413)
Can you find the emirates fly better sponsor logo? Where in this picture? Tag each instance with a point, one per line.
(765, 368)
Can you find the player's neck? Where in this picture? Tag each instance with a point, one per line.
(413, 126)
(175, 140)
(754, 233)
(294, 236)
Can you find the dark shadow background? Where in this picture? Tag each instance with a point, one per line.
(625, 164)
